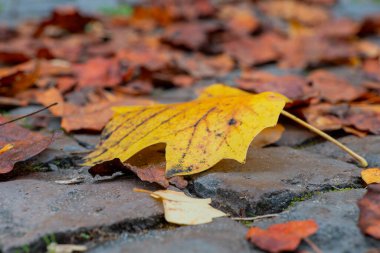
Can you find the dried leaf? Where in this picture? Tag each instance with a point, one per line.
(371, 175)
(254, 51)
(332, 88)
(99, 72)
(369, 217)
(291, 86)
(183, 210)
(148, 165)
(230, 118)
(19, 78)
(25, 144)
(67, 18)
(295, 10)
(282, 237)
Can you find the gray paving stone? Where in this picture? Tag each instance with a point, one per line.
(336, 214)
(368, 147)
(33, 206)
(221, 236)
(270, 179)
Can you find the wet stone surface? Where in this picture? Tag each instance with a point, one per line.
(368, 147)
(336, 214)
(271, 178)
(221, 236)
(34, 206)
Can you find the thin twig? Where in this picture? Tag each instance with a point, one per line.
(28, 115)
(255, 218)
(312, 245)
(357, 157)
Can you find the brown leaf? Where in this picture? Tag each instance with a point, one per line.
(333, 88)
(364, 117)
(292, 86)
(99, 72)
(19, 78)
(369, 217)
(178, 34)
(250, 51)
(25, 144)
(148, 166)
(311, 51)
(200, 66)
(282, 237)
(239, 19)
(295, 10)
(372, 69)
(67, 18)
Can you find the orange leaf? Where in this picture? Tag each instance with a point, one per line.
(371, 175)
(282, 237)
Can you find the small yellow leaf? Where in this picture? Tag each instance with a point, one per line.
(6, 148)
(371, 175)
(184, 210)
(220, 124)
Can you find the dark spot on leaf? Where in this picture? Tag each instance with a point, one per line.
(232, 122)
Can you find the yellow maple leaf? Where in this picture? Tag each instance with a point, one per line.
(220, 124)
(371, 175)
(184, 210)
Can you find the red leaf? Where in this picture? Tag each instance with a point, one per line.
(26, 144)
(369, 205)
(282, 237)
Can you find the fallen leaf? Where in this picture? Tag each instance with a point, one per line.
(230, 118)
(292, 86)
(19, 78)
(200, 66)
(99, 72)
(295, 10)
(92, 117)
(178, 34)
(282, 237)
(184, 210)
(372, 69)
(65, 248)
(369, 217)
(148, 165)
(239, 19)
(250, 51)
(333, 88)
(371, 175)
(25, 144)
(312, 51)
(67, 18)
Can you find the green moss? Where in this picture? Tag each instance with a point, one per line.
(304, 197)
(85, 236)
(247, 223)
(48, 239)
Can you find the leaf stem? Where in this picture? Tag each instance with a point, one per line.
(312, 245)
(27, 115)
(357, 157)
